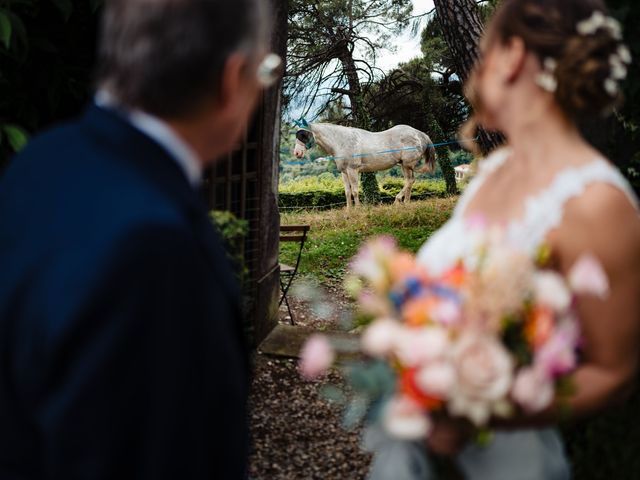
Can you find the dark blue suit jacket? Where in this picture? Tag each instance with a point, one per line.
(121, 351)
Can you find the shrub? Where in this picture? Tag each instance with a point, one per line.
(327, 191)
(233, 231)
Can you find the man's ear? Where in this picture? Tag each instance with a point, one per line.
(230, 82)
(515, 58)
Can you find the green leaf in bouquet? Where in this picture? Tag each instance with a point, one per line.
(484, 437)
(565, 412)
(333, 394)
(543, 255)
(375, 379)
(376, 409)
(565, 387)
(515, 340)
(355, 412)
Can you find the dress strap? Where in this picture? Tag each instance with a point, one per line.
(544, 212)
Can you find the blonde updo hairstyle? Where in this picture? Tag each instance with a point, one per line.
(579, 46)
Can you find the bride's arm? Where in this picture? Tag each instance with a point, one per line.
(604, 223)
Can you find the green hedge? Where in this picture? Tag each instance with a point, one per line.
(328, 192)
(233, 231)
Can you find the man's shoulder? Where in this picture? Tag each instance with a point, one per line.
(71, 170)
(69, 196)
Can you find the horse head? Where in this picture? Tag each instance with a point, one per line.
(304, 141)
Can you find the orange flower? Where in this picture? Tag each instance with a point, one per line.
(539, 326)
(409, 387)
(416, 313)
(456, 276)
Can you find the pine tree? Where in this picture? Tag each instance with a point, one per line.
(332, 46)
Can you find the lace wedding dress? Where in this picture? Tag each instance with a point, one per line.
(517, 455)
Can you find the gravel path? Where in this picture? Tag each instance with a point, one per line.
(296, 433)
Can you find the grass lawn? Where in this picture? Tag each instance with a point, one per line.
(336, 235)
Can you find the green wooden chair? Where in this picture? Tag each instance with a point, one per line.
(293, 234)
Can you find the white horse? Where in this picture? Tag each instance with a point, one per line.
(355, 151)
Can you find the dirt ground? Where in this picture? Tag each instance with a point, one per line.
(297, 434)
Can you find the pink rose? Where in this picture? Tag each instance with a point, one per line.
(587, 277)
(316, 357)
(447, 313)
(404, 419)
(437, 379)
(379, 338)
(533, 390)
(484, 372)
(418, 346)
(558, 356)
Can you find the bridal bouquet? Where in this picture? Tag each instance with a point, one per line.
(494, 335)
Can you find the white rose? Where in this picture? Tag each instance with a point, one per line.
(484, 373)
(404, 419)
(437, 379)
(418, 346)
(379, 338)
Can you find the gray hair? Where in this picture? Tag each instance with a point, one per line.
(166, 56)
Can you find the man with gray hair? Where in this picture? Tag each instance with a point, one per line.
(121, 347)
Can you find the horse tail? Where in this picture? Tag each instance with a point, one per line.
(429, 159)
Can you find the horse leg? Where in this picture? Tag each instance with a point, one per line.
(353, 178)
(347, 188)
(409, 180)
(400, 195)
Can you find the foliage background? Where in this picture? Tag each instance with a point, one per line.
(47, 52)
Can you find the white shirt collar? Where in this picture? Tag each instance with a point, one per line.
(160, 132)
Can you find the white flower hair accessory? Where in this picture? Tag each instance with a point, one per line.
(619, 60)
(547, 78)
(624, 54)
(597, 21)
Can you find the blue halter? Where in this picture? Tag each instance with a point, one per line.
(302, 124)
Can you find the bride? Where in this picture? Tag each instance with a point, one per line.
(545, 64)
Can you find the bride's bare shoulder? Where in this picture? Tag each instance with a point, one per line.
(603, 220)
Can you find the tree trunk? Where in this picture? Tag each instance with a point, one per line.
(370, 188)
(462, 29)
(448, 172)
